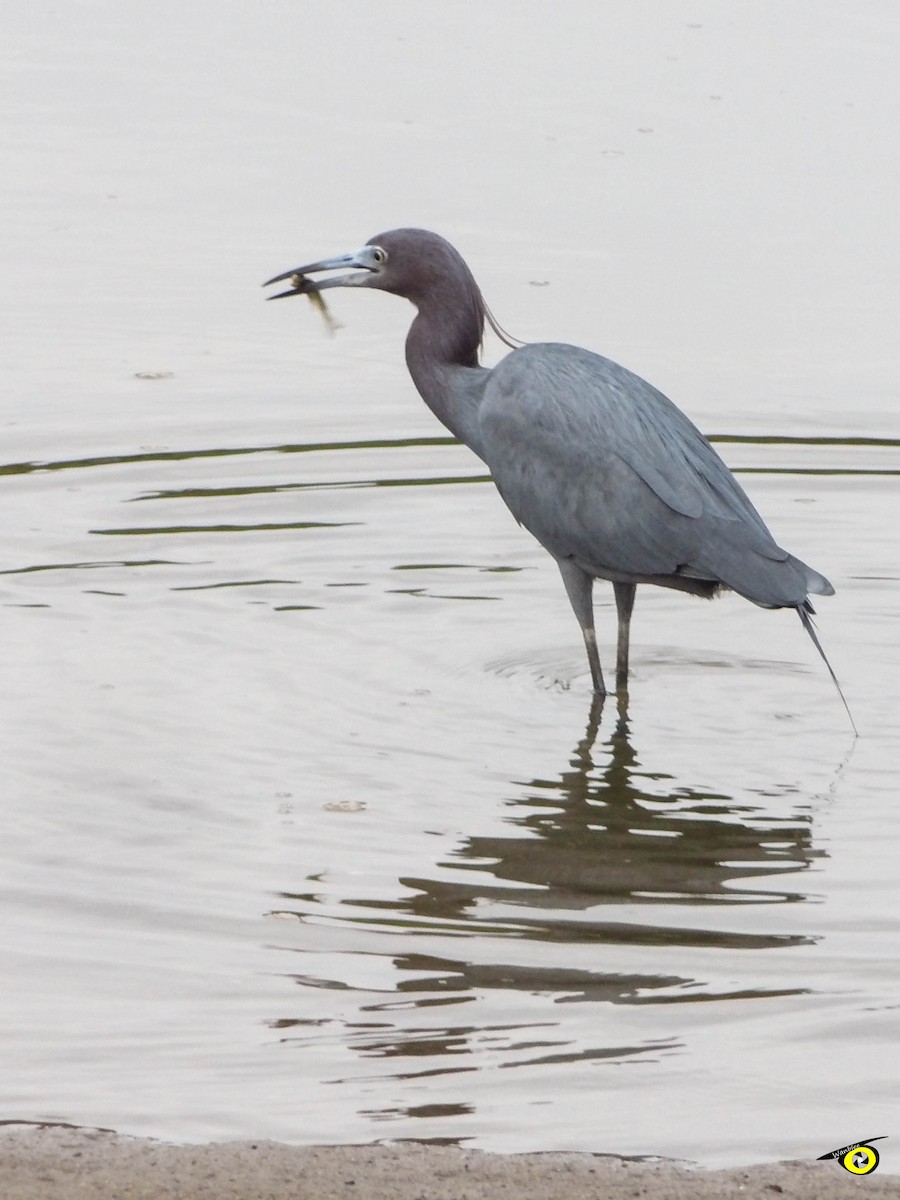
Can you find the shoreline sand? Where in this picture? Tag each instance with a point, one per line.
(52, 1162)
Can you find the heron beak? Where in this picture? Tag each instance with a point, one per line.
(301, 285)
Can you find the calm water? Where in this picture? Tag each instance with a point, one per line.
(309, 829)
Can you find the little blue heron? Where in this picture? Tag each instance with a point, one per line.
(610, 477)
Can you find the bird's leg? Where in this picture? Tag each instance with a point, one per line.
(590, 645)
(579, 586)
(624, 603)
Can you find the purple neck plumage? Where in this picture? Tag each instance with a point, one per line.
(442, 350)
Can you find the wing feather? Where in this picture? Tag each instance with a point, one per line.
(604, 469)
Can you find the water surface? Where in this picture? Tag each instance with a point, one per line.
(311, 831)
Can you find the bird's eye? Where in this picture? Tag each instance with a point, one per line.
(379, 255)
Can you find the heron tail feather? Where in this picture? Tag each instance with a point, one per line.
(805, 611)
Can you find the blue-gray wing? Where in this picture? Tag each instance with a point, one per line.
(605, 470)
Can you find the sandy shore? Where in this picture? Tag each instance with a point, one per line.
(62, 1163)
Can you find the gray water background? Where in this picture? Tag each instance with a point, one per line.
(307, 833)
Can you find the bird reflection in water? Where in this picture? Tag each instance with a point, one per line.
(607, 853)
(638, 890)
(609, 832)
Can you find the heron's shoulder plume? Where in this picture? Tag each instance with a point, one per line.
(482, 315)
(507, 339)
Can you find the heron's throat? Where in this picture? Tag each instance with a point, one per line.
(443, 363)
(447, 329)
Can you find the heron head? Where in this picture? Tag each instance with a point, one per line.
(408, 262)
